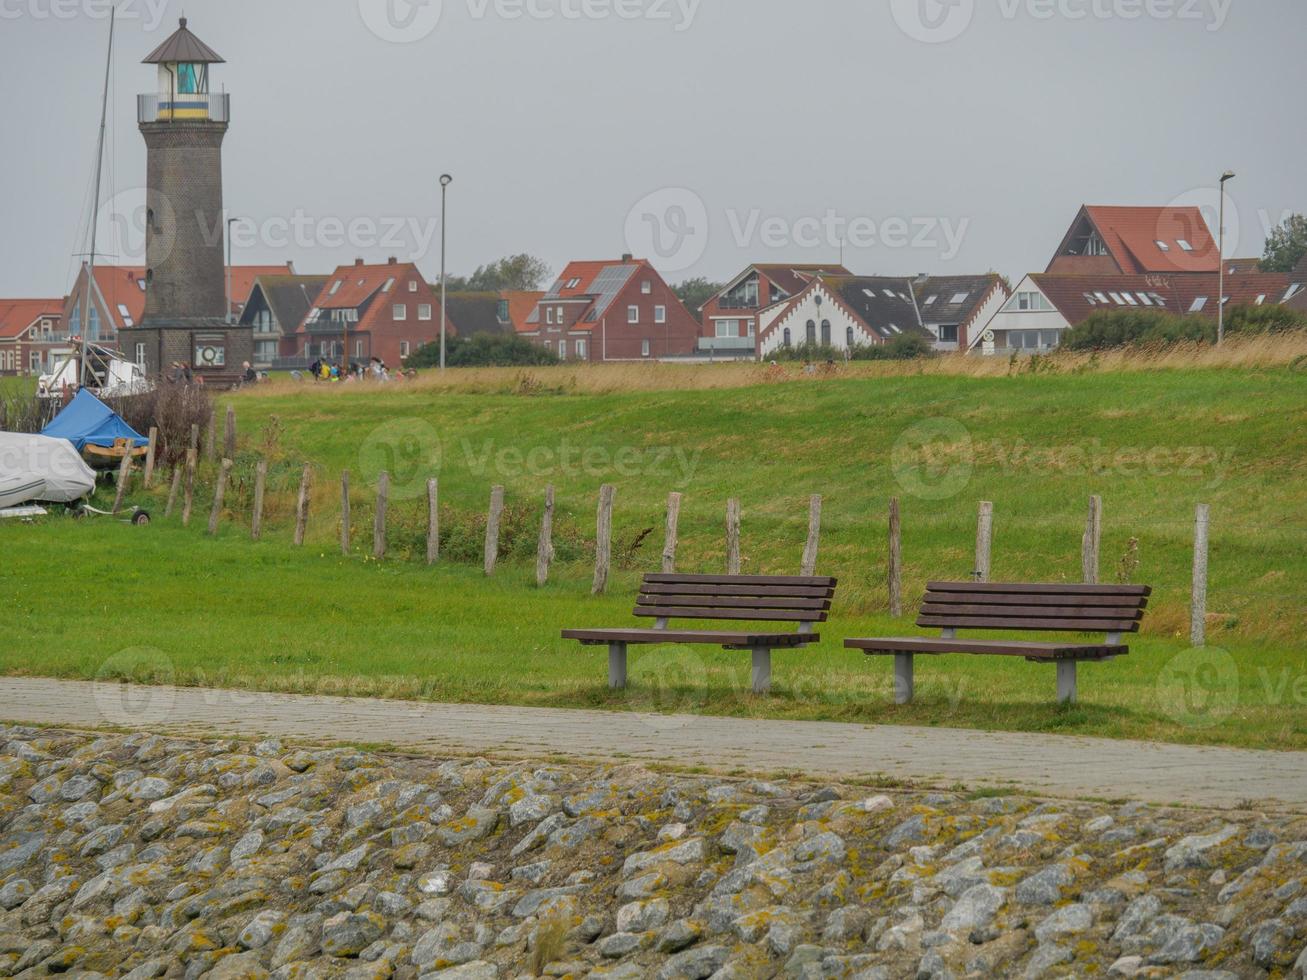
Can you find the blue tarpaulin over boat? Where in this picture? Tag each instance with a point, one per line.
(88, 421)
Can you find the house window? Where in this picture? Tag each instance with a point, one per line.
(358, 348)
(948, 333)
(633, 314)
(125, 314)
(549, 315)
(660, 314)
(959, 298)
(562, 349)
(1163, 246)
(785, 338)
(1198, 304)
(825, 332)
(412, 285)
(335, 287)
(403, 348)
(140, 354)
(389, 282)
(646, 287)
(265, 351)
(580, 349)
(812, 331)
(644, 348)
(93, 327)
(1184, 244)
(728, 328)
(424, 311)
(848, 337)
(558, 314)
(400, 311)
(34, 361)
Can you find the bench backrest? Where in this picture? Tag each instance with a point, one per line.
(775, 598)
(1024, 606)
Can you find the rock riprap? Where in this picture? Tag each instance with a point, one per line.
(148, 856)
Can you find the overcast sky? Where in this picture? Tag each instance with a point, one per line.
(705, 134)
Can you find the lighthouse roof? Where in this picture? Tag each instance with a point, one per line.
(183, 46)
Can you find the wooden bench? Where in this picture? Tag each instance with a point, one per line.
(766, 598)
(951, 606)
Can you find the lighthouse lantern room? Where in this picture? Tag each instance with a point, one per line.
(183, 92)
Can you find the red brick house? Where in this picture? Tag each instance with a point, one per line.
(612, 311)
(32, 337)
(1133, 241)
(386, 311)
(732, 320)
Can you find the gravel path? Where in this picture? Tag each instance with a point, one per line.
(1036, 763)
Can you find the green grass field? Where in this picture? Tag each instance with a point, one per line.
(1153, 444)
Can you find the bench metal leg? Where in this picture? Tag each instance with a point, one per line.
(617, 666)
(761, 670)
(1066, 682)
(902, 678)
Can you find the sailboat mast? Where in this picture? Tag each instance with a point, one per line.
(95, 210)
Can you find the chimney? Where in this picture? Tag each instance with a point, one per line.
(627, 257)
(392, 261)
(358, 261)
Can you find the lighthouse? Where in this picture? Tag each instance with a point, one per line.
(183, 122)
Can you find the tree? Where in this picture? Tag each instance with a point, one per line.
(695, 292)
(516, 272)
(1286, 245)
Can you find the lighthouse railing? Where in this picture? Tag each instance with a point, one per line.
(203, 106)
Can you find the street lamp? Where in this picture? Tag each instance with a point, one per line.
(1220, 299)
(445, 181)
(230, 222)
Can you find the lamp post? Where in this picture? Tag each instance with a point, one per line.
(1220, 299)
(230, 222)
(445, 181)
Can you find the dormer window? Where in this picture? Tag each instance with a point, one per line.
(1184, 244)
(959, 298)
(1163, 246)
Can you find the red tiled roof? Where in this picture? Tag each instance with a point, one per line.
(580, 281)
(520, 305)
(16, 315)
(1174, 294)
(243, 276)
(1132, 234)
(120, 285)
(357, 283)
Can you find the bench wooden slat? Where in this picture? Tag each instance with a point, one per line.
(1039, 588)
(790, 591)
(884, 646)
(1034, 612)
(823, 581)
(1030, 599)
(730, 640)
(734, 602)
(707, 612)
(1048, 625)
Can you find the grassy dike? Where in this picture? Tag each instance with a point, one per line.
(1152, 443)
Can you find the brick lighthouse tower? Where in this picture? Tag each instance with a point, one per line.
(186, 315)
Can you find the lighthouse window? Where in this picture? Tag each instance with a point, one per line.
(191, 79)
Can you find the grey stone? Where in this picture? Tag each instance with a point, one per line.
(694, 964)
(261, 929)
(617, 945)
(974, 909)
(1192, 851)
(348, 933)
(1187, 943)
(478, 824)
(643, 916)
(1045, 958)
(680, 934)
(1044, 887)
(1069, 920)
(17, 849)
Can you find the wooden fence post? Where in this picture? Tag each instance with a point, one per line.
(229, 435)
(149, 457)
(344, 513)
(669, 541)
(1198, 599)
(733, 536)
(219, 491)
(1089, 543)
(492, 528)
(124, 474)
(188, 496)
(260, 483)
(172, 491)
(379, 521)
(895, 559)
(433, 521)
(603, 538)
(195, 436)
(984, 540)
(210, 452)
(302, 505)
(814, 536)
(545, 548)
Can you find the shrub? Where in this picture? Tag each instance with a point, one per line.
(904, 347)
(1119, 328)
(483, 350)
